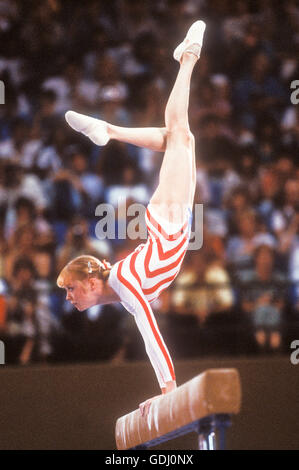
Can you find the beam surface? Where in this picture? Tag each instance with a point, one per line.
(212, 392)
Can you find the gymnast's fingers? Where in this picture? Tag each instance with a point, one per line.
(141, 408)
(144, 407)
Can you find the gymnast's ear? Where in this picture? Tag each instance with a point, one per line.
(95, 283)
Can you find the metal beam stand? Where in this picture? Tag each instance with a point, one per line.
(211, 432)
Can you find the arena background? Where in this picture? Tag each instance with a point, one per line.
(235, 301)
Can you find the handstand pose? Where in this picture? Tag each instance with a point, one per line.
(138, 279)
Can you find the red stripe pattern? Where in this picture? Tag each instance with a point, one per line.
(140, 278)
(149, 316)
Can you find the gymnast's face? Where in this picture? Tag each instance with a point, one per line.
(82, 294)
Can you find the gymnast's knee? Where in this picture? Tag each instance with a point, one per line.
(180, 135)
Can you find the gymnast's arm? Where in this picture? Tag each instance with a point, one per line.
(145, 406)
(157, 353)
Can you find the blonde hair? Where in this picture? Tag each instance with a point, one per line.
(84, 267)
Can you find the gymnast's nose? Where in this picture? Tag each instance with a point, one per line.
(68, 296)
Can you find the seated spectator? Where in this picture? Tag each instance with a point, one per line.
(107, 166)
(213, 99)
(130, 186)
(21, 245)
(21, 325)
(289, 246)
(189, 295)
(3, 252)
(25, 214)
(26, 147)
(285, 164)
(203, 288)
(221, 298)
(264, 299)
(240, 247)
(236, 28)
(21, 328)
(92, 184)
(16, 183)
(186, 308)
(259, 91)
(79, 242)
(111, 91)
(65, 86)
(267, 137)
(283, 218)
(137, 18)
(200, 298)
(237, 203)
(48, 319)
(12, 148)
(247, 168)
(290, 125)
(269, 194)
(223, 107)
(222, 179)
(68, 195)
(49, 158)
(143, 101)
(46, 116)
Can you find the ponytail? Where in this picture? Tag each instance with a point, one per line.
(84, 267)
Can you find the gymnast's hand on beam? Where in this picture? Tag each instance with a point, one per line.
(145, 406)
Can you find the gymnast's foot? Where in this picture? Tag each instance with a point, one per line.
(192, 42)
(93, 128)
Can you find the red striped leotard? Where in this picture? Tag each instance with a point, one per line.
(139, 278)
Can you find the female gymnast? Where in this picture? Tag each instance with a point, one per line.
(138, 279)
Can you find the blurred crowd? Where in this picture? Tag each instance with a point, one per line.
(238, 294)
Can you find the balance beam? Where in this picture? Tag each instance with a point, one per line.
(203, 404)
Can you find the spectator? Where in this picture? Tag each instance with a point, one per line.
(79, 242)
(13, 147)
(281, 221)
(270, 187)
(247, 167)
(25, 214)
(48, 160)
(290, 125)
(21, 327)
(129, 187)
(240, 248)
(188, 297)
(92, 184)
(15, 183)
(258, 92)
(237, 203)
(21, 245)
(265, 299)
(21, 323)
(49, 321)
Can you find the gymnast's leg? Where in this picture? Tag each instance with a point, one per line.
(177, 174)
(177, 181)
(100, 132)
(175, 191)
(153, 138)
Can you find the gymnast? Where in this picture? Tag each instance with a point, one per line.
(138, 279)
